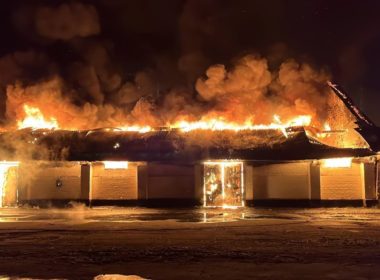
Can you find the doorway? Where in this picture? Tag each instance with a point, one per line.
(223, 184)
(8, 183)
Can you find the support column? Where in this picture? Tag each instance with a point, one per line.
(315, 181)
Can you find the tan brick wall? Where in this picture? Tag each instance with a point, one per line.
(171, 181)
(281, 181)
(113, 184)
(38, 181)
(342, 183)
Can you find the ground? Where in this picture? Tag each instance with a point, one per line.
(249, 243)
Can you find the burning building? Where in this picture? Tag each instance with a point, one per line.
(214, 163)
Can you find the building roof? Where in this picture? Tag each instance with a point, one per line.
(166, 145)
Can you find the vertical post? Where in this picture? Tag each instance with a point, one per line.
(85, 181)
(223, 184)
(90, 195)
(363, 181)
(204, 188)
(315, 181)
(142, 182)
(377, 179)
(242, 191)
(198, 183)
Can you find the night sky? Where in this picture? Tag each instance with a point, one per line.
(341, 36)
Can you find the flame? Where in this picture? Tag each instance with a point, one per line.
(35, 119)
(115, 164)
(4, 168)
(220, 124)
(220, 182)
(337, 162)
(137, 128)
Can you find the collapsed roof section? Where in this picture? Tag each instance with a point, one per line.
(166, 145)
(365, 127)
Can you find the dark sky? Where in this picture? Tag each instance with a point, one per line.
(342, 36)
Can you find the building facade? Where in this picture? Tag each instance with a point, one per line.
(219, 183)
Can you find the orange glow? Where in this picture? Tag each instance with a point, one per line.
(137, 128)
(4, 168)
(220, 124)
(223, 184)
(35, 119)
(115, 164)
(337, 162)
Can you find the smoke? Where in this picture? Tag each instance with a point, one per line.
(302, 90)
(250, 90)
(247, 91)
(80, 82)
(50, 97)
(67, 21)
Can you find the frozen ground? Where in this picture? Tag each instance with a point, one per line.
(80, 243)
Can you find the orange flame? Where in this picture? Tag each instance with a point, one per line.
(137, 128)
(35, 119)
(220, 124)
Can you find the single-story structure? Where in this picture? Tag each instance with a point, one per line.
(209, 183)
(171, 167)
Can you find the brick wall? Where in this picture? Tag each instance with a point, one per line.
(39, 181)
(281, 181)
(113, 184)
(342, 183)
(170, 181)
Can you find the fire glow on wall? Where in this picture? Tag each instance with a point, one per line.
(4, 168)
(115, 164)
(337, 162)
(223, 184)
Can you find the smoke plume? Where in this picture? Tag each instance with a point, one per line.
(67, 21)
(74, 76)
